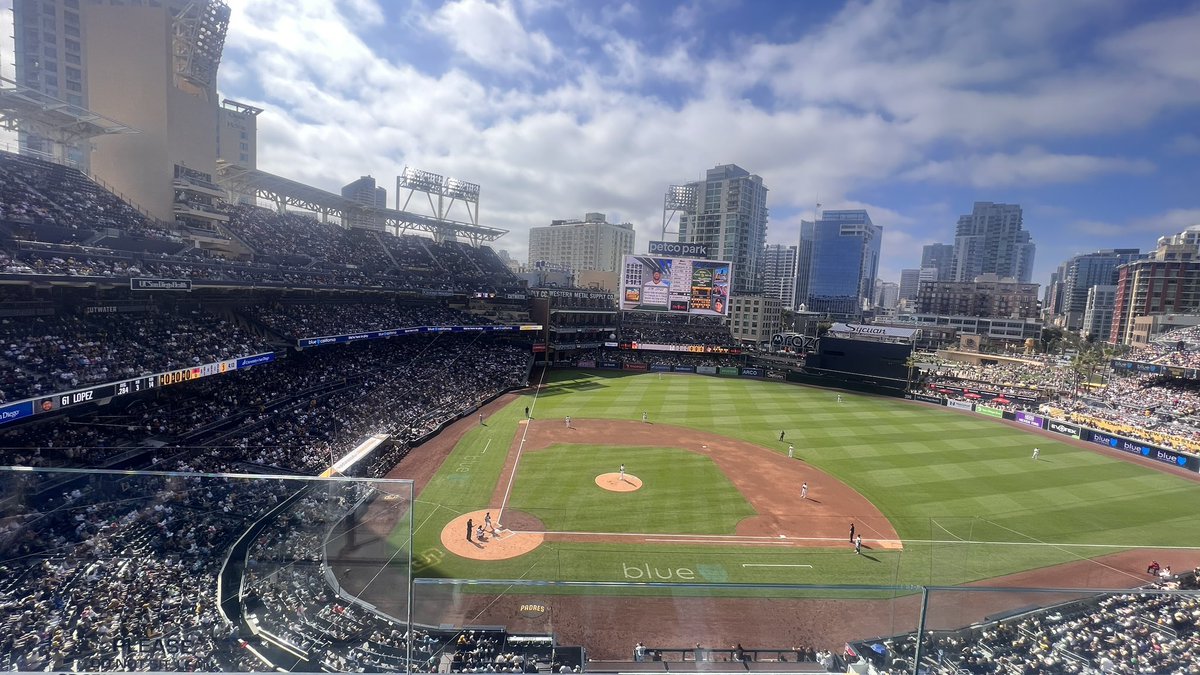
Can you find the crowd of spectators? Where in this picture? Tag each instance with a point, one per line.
(290, 248)
(456, 374)
(655, 357)
(144, 567)
(1120, 634)
(297, 320)
(288, 594)
(33, 190)
(1028, 375)
(294, 415)
(47, 354)
(1180, 347)
(1160, 409)
(678, 335)
(119, 573)
(77, 260)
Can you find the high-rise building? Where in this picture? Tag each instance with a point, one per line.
(910, 281)
(990, 241)
(1167, 282)
(1080, 273)
(754, 318)
(1098, 313)
(365, 192)
(730, 217)
(941, 258)
(237, 134)
(49, 58)
(1052, 300)
(887, 294)
(986, 296)
(804, 262)
(779, 273)
(589, 244)
(845, 263)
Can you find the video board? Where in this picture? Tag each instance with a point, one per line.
(679, 285)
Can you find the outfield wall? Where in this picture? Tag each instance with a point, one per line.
(1077, 432)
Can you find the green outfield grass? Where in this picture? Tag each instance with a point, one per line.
(939, 476)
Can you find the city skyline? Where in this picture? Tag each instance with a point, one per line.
(545, 105)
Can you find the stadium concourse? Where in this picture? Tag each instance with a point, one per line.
(298, 340)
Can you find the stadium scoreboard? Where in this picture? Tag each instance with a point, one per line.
(676, 285)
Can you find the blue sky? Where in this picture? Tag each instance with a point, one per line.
(1085, 112)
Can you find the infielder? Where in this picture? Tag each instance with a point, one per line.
(645, 417)
(568, 421)
(858, 545)
(791, 451)
(804, 490)
(622, 477)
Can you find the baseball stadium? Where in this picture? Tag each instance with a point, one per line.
(249, 424)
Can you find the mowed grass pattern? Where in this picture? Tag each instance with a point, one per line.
(682, 492)
(940, 477)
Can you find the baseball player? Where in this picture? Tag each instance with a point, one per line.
(568, 421)
(804, 490)
(1036, 452)
(622, 477)
(858, 545)
(487, 522)
(791, 451)
(645, 417)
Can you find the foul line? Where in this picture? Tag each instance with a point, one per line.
(750, 539)
(775, 542)
(532, 407)
(766, 565)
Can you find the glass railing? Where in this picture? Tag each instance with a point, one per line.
(123, 571)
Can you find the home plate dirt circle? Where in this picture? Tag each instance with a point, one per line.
(615, 483)
(520, 534)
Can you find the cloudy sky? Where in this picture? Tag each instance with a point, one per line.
(1085, 112)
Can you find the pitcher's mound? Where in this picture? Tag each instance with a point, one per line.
(503, 544)
(615, 483)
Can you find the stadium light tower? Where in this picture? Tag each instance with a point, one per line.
(449, 191)
(678, 198)
(199, 40)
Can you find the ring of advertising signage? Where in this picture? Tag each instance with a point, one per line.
(679, 285)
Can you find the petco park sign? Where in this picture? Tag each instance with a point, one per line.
(678, 249)
(875, 331)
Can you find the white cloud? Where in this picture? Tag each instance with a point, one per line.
(1167, 47)
(568, 130)
(491, 35)
(1030, 166)
(1185, 144)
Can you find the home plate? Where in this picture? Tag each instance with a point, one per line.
(767, 565)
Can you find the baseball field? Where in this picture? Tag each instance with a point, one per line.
(709, 494)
